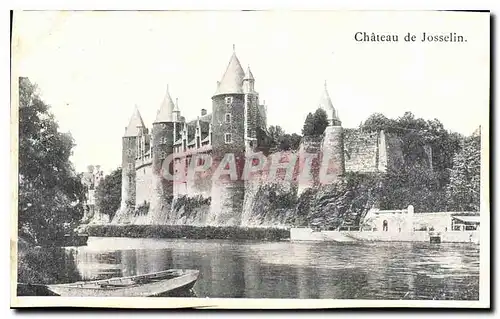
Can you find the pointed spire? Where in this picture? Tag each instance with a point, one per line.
(232, 79)
(176, 113)
(176, 108)
(135, 124)
(326, 104)
(167, 107)
(249, 75)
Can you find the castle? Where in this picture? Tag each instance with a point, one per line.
(237, 125)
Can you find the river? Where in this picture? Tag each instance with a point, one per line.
(254, 269)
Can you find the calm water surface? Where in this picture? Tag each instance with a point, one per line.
(289, 270)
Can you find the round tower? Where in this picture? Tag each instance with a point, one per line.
(228, 143)
(332, 149)
(129, 154)
(162, 163)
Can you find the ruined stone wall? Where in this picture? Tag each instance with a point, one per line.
(394, 146)
(361, 151)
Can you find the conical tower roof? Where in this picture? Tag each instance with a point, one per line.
(326, 104)
(135, 123)
(249, 75)
(232, 79)
(167, 107)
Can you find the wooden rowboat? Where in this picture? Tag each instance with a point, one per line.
(146, 285)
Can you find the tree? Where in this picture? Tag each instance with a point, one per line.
(315, 124)
(377, 122)
(320, 120)
(289, 142)
(413, 185)
(425, 144)
(464, 188)
(283, 141)
(275, 133)
(108, 193)
(308, 129)
(50, 192)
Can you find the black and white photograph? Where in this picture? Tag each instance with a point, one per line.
(251, 159)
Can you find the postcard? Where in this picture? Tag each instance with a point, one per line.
(250, 159)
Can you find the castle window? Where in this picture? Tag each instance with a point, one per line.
(229, 100)
(228, 118)
(228, 138)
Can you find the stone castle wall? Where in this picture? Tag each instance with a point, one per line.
(361, 151)
(144, 185)
(394, 151)
(221, 202)
(309, 145)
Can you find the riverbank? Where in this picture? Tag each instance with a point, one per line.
(308, 234)
(186, 231)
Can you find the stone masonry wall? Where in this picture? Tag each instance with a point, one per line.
(143, 184)
(394, 151)
(361, 151)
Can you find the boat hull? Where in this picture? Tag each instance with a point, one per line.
(184, 281)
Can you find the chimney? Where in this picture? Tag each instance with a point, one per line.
(203, 112)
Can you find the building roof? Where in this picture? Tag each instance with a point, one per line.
(135, 123)
(326, 104)
(164, 114)
(468, 219)
(232, 80)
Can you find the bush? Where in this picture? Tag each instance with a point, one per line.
(187, 231)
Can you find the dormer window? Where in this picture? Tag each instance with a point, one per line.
(227, 118)
(229, 100)
(228, 138)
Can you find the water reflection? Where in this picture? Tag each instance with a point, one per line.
(292, 270)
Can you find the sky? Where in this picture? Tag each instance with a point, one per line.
(94, 67)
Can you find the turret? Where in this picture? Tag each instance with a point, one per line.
(333, 163)
(326, 104)
(176, 115)
(228, 110)
(130, 142)
(162, 166)
(228, 137)
(248, 81)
